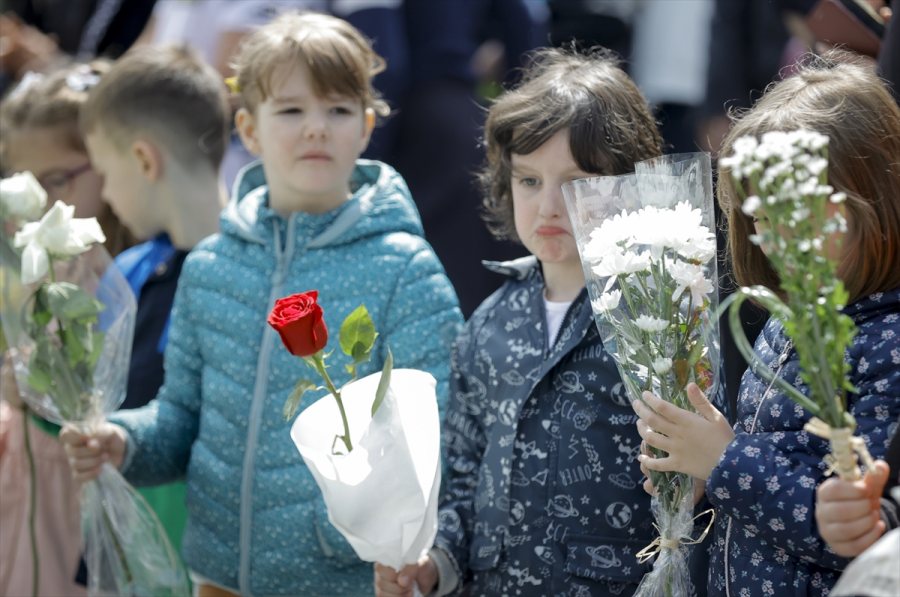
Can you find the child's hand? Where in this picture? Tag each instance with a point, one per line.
(694, 441)
(390, 583)
(849, 512)
(699, 484)
(87, 453)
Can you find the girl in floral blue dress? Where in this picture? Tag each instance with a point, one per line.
(761, 476)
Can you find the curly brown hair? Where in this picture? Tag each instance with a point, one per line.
(839, 97)
(609, 122)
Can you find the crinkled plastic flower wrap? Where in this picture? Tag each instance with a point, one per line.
(383, 495)
(647, 245)
(126, 549)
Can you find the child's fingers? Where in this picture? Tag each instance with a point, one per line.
(701, 403)
(648, 485)
(665, 464)
(387, 583)
(836, 489)
(854, 547)
(652, 437)
(653, 415)
(876, 478)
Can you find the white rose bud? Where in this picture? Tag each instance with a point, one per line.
(22, 197)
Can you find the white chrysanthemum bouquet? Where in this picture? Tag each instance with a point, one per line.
(647, 245)
(783, 182)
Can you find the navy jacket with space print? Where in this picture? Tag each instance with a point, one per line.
(542, 495)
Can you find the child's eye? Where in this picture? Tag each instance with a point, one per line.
(341, 110)
(289, 111)
(528, 181)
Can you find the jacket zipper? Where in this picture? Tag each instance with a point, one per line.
(283, 253)
(782, 359)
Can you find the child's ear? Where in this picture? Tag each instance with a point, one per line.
(370, 126)
(246, 127)
(149, 159)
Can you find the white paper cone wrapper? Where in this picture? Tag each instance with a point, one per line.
(382, 496)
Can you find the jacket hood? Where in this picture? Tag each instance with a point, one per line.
(380, 203)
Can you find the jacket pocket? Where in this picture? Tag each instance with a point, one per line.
(604, 559)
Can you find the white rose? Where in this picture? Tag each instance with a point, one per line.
(56, 234)
(22, 197)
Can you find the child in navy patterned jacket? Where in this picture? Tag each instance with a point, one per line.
(761, 477)
(543, 492)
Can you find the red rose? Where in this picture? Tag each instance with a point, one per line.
(298, 319)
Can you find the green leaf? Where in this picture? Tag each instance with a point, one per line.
(293, 402)
(384, 383)
(39, 380)
(72, 346)
(357, 335)
(68, 302)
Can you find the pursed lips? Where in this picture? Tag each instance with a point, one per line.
(550, 231)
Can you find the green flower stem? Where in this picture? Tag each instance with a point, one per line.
(32, 505)
(319, 363)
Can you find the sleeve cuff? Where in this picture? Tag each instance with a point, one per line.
(448, 576)
(129, 452)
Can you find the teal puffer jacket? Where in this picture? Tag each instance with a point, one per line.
(257, 523)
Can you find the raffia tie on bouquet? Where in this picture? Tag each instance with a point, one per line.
(661, 543)
(845, 447)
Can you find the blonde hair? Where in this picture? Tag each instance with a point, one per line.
(168, 94)
(339, 59)
(52, 100)
(846, 101)
(609, 122)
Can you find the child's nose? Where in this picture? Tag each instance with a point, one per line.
(552, 202)
(316, 127)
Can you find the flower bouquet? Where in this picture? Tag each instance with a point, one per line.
(22, 199)
(799, 222)
(388, 442)
(69, 324)
(648, 250)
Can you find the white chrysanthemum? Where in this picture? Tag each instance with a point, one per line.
(690, 276)
(607, 301)
(617, 263)
(650, 324)
(662, 365)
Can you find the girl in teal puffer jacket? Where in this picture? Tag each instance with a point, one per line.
(309, 215)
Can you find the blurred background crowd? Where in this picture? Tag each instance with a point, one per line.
(695, 61)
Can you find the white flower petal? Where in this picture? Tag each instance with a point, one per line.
(35, 263)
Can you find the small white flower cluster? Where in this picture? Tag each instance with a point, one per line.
(789, 169)
(673, 243)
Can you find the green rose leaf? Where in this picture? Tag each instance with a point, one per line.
(384, 383)
(293, 402)
(357, 335)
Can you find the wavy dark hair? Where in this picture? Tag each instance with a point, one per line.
(609, 122)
